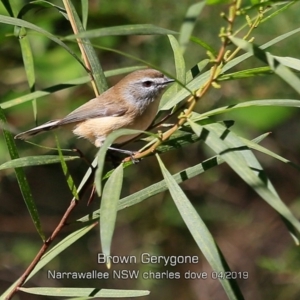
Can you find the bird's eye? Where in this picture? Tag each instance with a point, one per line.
(147, 83)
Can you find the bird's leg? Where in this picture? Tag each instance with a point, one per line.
(127, 152)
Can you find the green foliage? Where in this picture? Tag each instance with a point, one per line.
(42, 47)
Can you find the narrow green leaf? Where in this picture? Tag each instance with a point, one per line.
(178, 140)
(62, 86)
(20, 175)
(22, 23)
(133, 29)
(258, 139)
(60, 247)
(102, 152)
(189, 23)
(109, 208)
(203, 44)
(266, 102)
(214, 2)
(178, 59)
(66, 172)
(245, 56)
(35, 161)
(196, 70)
(45, 92)
(199, 231)
(28, 63)
(8, 7)
(89, 175)
(27, 56)
(92, 293)
(290, 62)
(197, 129)
(285, 73)
(272, 4)
(266, 151)
(38, 4)
(84, 12)
(238, 156)
(261, 71)
(267, 5)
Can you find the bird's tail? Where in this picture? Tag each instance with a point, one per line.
(42, 128)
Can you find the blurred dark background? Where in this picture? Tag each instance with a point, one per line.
(250, 234)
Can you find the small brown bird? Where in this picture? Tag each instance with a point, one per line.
(132, 103)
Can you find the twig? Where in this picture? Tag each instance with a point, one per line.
(80, 44)
(43, 249)
(202, 90)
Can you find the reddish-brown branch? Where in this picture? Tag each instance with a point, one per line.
(43, 250)
(48, 242)
(200, 93)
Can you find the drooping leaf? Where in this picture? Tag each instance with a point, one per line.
(290, 62)
(241, 159)
(285, 73)
(200, 233)
(84, 12)
(134, 29)
(90, 293)
(272, 42)
(21, 178)
(178, 59)
(109, 208)
(189, 23)
(102, 152)
(60, 247)
(68, 176)
(35, 161)
(265, 102)
(28, 63)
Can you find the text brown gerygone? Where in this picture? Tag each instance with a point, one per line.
(132, 103)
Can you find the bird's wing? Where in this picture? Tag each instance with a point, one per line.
(94, 109)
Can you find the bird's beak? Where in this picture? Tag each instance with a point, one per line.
(168, 80)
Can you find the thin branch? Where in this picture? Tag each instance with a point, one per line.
(192, 100)
(62, 223)
(80, 44)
